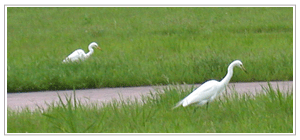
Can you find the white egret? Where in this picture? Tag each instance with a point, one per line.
(79, 54)
(208, 91)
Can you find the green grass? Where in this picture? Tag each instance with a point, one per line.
(146, 46)
(270, 111)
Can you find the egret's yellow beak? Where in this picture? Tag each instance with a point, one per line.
(98, 48)
(243, 68)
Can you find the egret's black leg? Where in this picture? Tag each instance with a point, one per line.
(196, 108)
(207, 106)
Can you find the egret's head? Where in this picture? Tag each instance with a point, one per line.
(239, 64)
(94, 45)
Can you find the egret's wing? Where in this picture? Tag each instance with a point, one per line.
(77, 54)
(204, 92)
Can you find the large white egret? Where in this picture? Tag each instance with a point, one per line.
(79, 54)
(208, 91)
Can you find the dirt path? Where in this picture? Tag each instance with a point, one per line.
(31, 99)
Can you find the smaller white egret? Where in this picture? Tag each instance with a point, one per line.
(208, 91)
(79, 54)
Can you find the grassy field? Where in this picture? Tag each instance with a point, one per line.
(268, 112)
(146, 46)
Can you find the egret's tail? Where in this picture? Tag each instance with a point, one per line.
(65, 60)
(178, 104)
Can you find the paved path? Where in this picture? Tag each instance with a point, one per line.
(31, 99)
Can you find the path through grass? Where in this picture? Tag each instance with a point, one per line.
(268, 112)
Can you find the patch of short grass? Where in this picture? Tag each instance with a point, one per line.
(146, 45)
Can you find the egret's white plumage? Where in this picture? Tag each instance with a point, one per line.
(79, 54)
(208, 91)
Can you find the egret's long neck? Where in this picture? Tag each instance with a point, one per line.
(228, 76)
(91, 51)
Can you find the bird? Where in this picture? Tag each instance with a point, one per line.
(208, 91)
(79, 54)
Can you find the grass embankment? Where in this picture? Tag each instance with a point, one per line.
(146, 46)
(271, 112)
